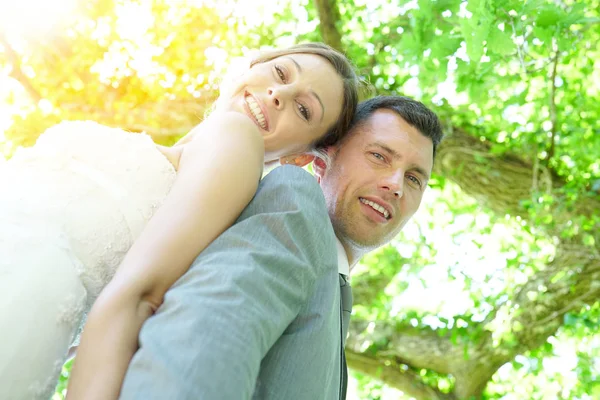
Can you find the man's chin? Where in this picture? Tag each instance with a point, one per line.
(365, 241)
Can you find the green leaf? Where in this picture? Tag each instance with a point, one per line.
(589, 240)
(549, 15)
(501, 42)
(543, 34)
(532, 5)
(575, 16)
(589, 20)
(570, 319)
(474, 38)
(409, 45)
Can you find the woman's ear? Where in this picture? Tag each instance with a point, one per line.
(299, 160)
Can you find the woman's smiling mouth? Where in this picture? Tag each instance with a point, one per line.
(256, 112)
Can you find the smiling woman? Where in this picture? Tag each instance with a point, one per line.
(292, 99)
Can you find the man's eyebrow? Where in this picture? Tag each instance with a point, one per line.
(299, 70)
(395, 155)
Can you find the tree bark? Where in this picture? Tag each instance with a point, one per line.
(503, 182)
(329, 15)
(395, 375)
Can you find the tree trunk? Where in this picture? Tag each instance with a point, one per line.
(329, 16)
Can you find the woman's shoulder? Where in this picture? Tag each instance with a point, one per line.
(230, 129)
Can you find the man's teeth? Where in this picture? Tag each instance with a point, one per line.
(376, 207)
(256, 112)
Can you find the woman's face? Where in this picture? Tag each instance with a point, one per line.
(293, 99)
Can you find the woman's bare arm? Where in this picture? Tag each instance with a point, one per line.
(218, 175)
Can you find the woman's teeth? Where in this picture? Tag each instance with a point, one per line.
(256, 112)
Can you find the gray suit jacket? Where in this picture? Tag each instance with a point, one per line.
(259, 314)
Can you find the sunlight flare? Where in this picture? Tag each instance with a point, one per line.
(33, 17)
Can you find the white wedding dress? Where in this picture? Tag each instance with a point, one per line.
(70, 208)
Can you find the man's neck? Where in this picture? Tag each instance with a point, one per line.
(353, 253)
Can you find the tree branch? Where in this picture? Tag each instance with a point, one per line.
(396, 376)
(16, 71)
(424, 348)
(503, 182)
(418, 347)
(568, 282)
(553, 116)
(519, 45)
(522, 323)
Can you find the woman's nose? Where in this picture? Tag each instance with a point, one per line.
(278, 96)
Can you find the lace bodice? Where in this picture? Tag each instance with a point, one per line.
(95, 186)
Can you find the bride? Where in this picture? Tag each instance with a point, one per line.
(88, 205)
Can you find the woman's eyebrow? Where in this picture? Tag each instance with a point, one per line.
(299, 71)
(298, 66)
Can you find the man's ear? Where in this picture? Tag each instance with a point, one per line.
(299, 160)
(319, 168)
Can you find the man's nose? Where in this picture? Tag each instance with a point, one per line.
(394, 183)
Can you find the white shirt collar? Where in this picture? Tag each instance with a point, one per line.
(342, 257)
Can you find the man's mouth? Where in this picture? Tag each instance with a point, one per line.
(377, 207)
(256, 112)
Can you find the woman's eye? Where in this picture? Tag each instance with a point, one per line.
(280, 73)
(304, 111)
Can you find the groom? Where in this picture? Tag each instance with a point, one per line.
(260, 314)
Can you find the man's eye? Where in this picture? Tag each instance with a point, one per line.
(280, 73)
(415, 180)
(304, 111)
(378, 156)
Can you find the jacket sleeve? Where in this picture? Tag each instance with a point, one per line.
(219, 320)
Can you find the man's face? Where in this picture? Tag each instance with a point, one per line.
(376, 179)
